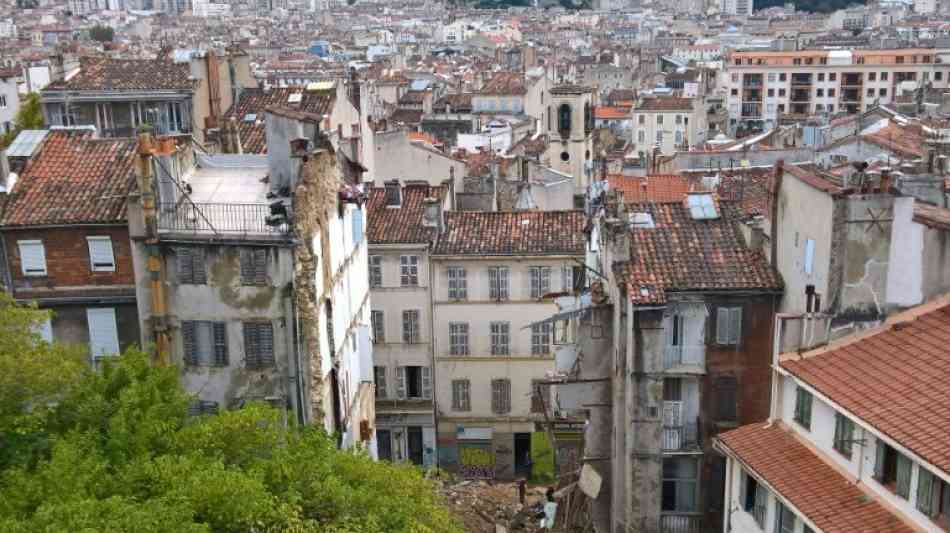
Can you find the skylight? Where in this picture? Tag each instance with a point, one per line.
(250, 117)
(295, 98)
(701, 206)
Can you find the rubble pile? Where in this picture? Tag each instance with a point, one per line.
(483, 505)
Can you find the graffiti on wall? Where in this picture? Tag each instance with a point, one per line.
(476, 462)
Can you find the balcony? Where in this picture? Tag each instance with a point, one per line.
(682, 438)
(681, 523)
(224, 219)
(680, 356)
(801, 96)
(800, 81)
(851, 80)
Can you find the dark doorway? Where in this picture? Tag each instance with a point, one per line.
(523, 455)
(384, 444)
(414, 435)
(337, 414)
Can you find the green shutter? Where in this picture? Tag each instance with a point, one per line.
(904, 467)
(879, 460)
(220, 343)
(188, 341)
(925, 481)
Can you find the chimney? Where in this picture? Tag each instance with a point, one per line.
(432, 214)
(393, 194)
(776, 189)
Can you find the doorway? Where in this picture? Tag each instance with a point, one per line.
(384, 445)
(414, 434)
(523, 455)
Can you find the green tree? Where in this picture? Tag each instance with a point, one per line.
(28, 117)
(123, 455)
(101, 33)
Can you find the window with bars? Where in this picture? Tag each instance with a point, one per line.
(500, 338)
(258, 344)
(379, 378)
(541, 339)
(410, 326)
(375, 271)
(498, 283)
(458, 286)
(844, 435)
(458, 338)
(253, 266)
(191, 265)
(803, 401)
(501, 396)
(379, 326)
(204, 343)
(728, 325)
(461, 395)
(540, 281)
(409, 270)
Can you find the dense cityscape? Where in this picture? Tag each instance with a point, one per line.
(606, 266)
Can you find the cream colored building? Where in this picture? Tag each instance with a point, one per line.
(670, 123)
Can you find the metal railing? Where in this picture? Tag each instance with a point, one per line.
(225, 219)
(681, 523)
(681, 438)
(683, 355)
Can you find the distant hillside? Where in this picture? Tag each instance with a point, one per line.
(503, 4)
(815, 6)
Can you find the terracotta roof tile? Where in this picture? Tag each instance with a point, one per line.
(664, 103)
(504, 84)
(73, 179)
(658, 188)
(256, 101)
(611, 113)
(681, 254)
(895, 379)
(826, 497)
(108, 74)
(814, 177)
(403, 224)
(512, 233)
(932, 216)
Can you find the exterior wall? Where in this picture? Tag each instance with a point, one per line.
(690, 134)
(936, 258)
(11, 103)
(577, 144)
(392, 156)
(70, 324)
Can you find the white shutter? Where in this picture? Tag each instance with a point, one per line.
(427, 383)
(101, 258)
(32, 258)
(722, 325)
(401, 382)
(103, 333)
(809, 255)
(735, 323)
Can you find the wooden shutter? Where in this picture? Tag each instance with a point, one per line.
(189, 342)
(101, 257)
(925, 481)
(199, 276)
(503, 283)
(401, 382)
(260, 266)
(185, 266)
(466, 396)
(879, 460)
(722, 325)
(904, 467)
(673, 414)
(251, 346)
(545, 281)
(735, 324)
(220, 343)
(103, 333)
(493, 283)
(266, 340)
(426, 383)
(32, 258)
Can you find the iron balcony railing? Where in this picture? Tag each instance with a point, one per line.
(681, 523)
(681, 438)
(678, 355)
(233, 219)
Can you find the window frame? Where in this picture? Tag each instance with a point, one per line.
(190, 267)
(411, 332)
(500, 337)
(33, 272)
(459, 339)
(541, 339)
(461, 395)
(375, 263)
(843, 441)
(217, 351)
(676, 481)
(257, 354)
(458, 283)
(100, 267)
(728, 330)
(377, 319)
(501, 396)
(408, 270)
(499, 283)
(540, 281)
(804, 401)
(253, 262)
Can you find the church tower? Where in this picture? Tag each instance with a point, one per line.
(570, 123)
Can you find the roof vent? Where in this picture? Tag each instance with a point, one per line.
(701, 206)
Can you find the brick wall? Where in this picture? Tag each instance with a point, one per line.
(67, 257)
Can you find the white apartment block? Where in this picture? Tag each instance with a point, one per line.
(764, 88)
(670, 123)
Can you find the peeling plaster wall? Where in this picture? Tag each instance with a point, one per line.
(936, 262)
(905, 275)
(867, 252)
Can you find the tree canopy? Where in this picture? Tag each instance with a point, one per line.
(115, 450)
(101, 33)
(28, 117)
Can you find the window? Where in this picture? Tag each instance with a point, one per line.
(882, 92)
(357, 226)
(500, 396)
(540, 281)
(3, 101)
(564, 118)
(498, 283)
(191, 266)
(204, 343)
(771, 93)
(659, 120)
(833, 76)
(831, 108)
(538, 400)
(726, 398)
(892, 469)
(101, 258)
(781, 93)
(797, 61)
(461, 395)
(409, 270)
(771, 77)
(872, 76)
(458, 338)
(258, 344)
(821, 76)
(809, 262)
(784, 518)
(754, 499)
(819, 92)
(831, 93)
(458, 287)
(728, 325)
(781, 108)
(803, 401)
(103, 333)
(410, 326)
(567, 279)
(253, 266)
(680, 484)
(870, 92)
(735, 77)
(32, 258)
(202, 407)
(679, 119)
(900, 59)
(379, 378)
(414, 382)
(884, 76)
(844, 435)
(500, 338)
(541, 339)
(641, 136)
(933, 495)
(379, 326)
(938, 75)
(375, 271)
(782, 77)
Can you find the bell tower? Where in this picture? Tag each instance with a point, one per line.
(570, 123)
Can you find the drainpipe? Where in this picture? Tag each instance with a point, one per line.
(154, 260)
(433, 373)
(776, 189)
(293, 369)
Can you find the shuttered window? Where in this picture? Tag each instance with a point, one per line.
(258, 344)
(379, 326)
(726, 398)
(204, 343)
(32, 258)
(458, 338)
(541, 339)
(461, 395)
(379, 376)
(803, 401)
(501, 396)
(409, 270)
(539, 394)
(540, 281)
(191, 265)
(458, 285)
(101, 257)
(254, 266)
(202, 407)
(728, 325)
(844, 435)
(498, 283)
(500, 338)
(375, 271)
(103, 333)
(410, 326)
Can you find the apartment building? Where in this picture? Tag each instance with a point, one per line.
(492, 277)
(399, 233)
(667, 123)
(765, 88)
(64, 240)
(853, 441)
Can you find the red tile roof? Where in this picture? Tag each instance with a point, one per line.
(903, 141)
(403, 224)
(512, 233)
(504, 84)
(256, 101)
(611, 113)
(831, 501)
(683, 254)
(932, 216)
(658, 188)
(894, 378)
(73, 180)
(107, 74)
(664, 103)
(815, 178)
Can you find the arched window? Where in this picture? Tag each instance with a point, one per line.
(564, 118)
(588, 118)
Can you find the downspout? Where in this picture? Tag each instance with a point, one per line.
(776, 189)
(154, 260)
